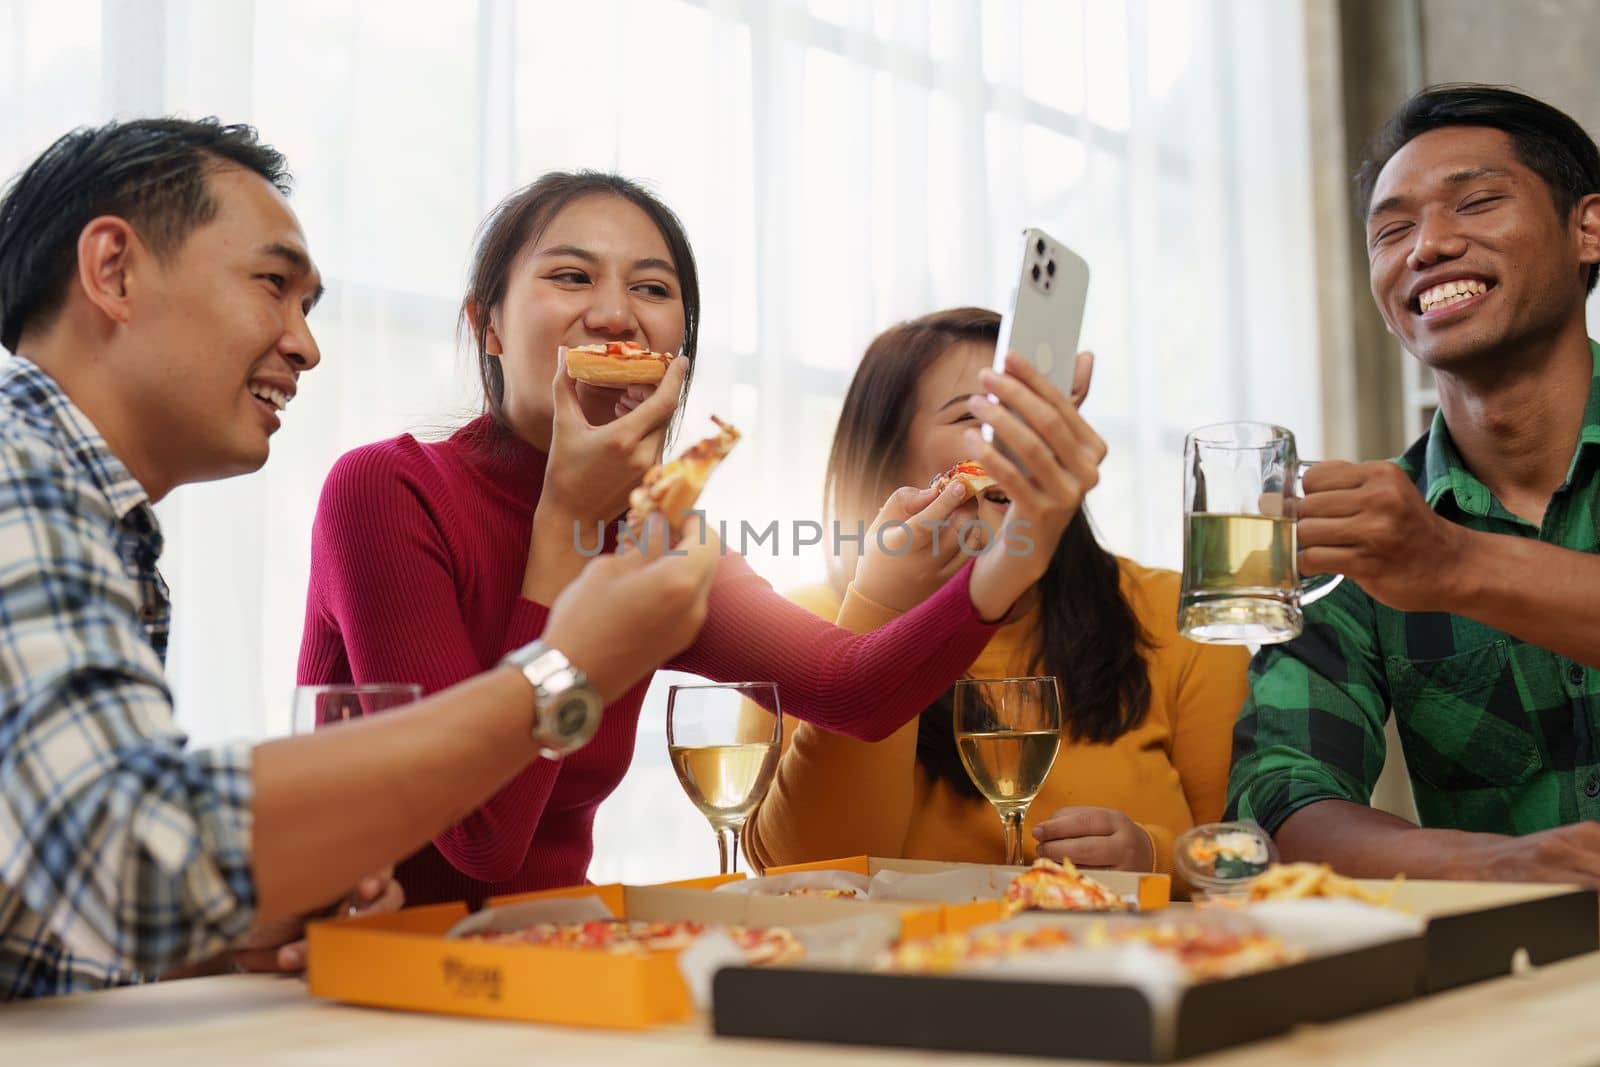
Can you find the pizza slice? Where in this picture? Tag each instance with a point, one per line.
(667, 936)
(617, 364)
(611, 935)
(760, 945)
(670, 489)
(765, 945)
(949, 952)
(1207, 954)
(1052, 886)
(970, 473)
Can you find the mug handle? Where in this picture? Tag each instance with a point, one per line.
(1317, 586)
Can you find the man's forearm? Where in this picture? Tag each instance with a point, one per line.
(1547, 595)
(339, 804)
(1364, 842)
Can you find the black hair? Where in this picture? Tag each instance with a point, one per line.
(1547, 141)
(1089, 637)
(151, 172)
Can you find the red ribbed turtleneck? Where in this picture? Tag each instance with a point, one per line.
(417, 560)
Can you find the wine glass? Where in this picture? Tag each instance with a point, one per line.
(723, 741)
(1008, 731)
(316, 706)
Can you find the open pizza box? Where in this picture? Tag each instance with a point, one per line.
(416, 959)
(971, 893)
(1478, 930)
(1094, 1000)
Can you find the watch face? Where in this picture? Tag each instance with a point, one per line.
(567, 712)
(572, 717)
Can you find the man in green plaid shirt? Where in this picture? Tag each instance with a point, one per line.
(1472, 602)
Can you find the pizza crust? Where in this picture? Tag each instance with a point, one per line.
(596, 365)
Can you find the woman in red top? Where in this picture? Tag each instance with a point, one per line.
(431, 560)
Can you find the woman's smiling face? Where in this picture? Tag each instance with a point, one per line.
(601, 271)
(937, 435)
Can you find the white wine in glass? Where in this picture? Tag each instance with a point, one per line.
(723, 743)
(1008, 731)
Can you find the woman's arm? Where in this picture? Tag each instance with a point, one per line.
(833, 795)
(867, 685)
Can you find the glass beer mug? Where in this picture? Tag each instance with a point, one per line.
(1241, 584)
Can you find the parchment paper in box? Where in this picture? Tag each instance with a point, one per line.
(508, 917)
(1316, 928)
(851, 944)
(780, 884)
(975, 882)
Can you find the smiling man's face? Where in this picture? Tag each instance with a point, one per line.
(1467, 253)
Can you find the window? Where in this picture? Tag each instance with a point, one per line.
(840, 166)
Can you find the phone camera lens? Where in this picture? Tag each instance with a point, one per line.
(1039, 247)
(1036, 272)
(1050, 268)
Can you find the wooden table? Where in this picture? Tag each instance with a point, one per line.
(1545, 1017)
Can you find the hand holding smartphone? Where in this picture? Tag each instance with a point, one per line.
(1045, 316)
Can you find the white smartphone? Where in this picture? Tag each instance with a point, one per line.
(1046, 312)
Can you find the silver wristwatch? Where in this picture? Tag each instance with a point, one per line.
(566, 710)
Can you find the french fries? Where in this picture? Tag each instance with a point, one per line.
(1299, 881)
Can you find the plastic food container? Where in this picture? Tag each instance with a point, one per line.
(1223, 858)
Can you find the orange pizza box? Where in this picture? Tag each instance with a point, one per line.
(404, 959)
(971, 892)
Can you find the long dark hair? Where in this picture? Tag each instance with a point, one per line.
(519, 220)
(1089, 638)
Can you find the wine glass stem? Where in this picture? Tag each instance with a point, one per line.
(728, 846)
(1011, 820)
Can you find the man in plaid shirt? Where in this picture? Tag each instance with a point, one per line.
(154, 287)
(1472, 608)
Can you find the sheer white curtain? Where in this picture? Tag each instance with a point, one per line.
(839, 165)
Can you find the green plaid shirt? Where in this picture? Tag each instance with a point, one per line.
(1499, 735)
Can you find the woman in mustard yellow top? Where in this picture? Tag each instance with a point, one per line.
(1147, 716)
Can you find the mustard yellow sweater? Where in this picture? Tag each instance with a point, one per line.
(835, 796)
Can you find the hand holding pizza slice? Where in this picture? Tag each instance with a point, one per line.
(968, 472)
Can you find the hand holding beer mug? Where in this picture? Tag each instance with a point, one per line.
(1241, 584)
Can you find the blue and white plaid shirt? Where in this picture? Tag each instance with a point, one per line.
(122, 854)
